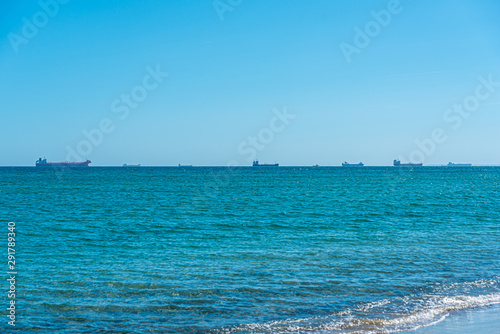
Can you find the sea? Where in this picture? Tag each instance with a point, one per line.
(248, 249)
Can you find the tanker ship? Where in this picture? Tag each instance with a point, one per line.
(43, 163)
(397, 163)
(451, 164)
(257, 164)
(346, 164)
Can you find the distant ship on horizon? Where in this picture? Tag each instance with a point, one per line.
(346, 164)
(397, 163)
(43, 163)
(257, 164)
(127, 165)
(185, 165)
(451, 164)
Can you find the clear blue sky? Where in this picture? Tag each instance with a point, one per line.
(225, 77)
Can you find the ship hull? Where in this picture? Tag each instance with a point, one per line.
(44, 163)
(397, 163)
(352, 165)
(63, 164)
(257, 164)
(408, 165)
(458, 165)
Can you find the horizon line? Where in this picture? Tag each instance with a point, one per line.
(262, 167)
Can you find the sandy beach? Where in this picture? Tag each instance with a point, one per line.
(478, 321)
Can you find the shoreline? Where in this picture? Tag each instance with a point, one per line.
(478, 320)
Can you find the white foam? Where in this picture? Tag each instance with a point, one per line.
(424, 310)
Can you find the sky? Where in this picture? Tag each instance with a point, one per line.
(215, 83)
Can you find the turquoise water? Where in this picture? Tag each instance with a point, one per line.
(250, 250)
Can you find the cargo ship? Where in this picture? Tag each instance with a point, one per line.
(43, 163)
(346, 164)
(397, 163)
(127, 165)
(185, 165)
(257, 164)
(451, 164)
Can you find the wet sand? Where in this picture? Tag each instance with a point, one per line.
(478, 321)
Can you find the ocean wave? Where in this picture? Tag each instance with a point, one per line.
(389, 315)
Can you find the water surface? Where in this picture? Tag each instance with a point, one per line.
(251, 250)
